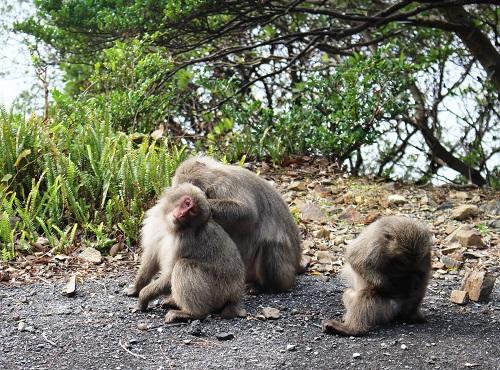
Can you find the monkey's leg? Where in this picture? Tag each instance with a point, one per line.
(154, 289)
(168, 302)
(148, 269)
(180, 315)
(276, 269)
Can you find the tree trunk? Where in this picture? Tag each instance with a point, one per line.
(420, 122)
(476, 41)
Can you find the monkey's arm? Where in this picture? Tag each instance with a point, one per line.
(160, 286)
(231, 211)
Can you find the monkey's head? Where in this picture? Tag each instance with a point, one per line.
(185, 206)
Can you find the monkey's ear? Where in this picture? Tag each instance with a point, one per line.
(388, 236)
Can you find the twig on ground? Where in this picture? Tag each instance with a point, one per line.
(130, 352)
(44, 336)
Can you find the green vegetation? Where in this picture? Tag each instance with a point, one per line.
(81, 180)
(392, 89)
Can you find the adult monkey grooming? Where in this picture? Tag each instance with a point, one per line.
(256, 217)
(200, 264)
(388, 267)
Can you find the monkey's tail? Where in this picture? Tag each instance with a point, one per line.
(232, 310)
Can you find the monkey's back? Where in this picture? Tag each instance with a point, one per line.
(393, 256)
(273, 223)
(209, 272)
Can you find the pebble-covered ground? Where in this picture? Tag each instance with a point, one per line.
(41, 328)
(95, 329)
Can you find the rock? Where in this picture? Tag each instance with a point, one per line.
(310, 212)
(4, 276)
(494, 224)
(195, 328)
(339, 240)
(291, 347)
(322, 233)
(396, 199)
(224, 336)
(322, 191)
(91, 255)
(21, 326)
(460, 195)
(115, 249)
(323, 257)
(70, 289)
(356, 355)
(459, 297)
(350, 214)
(468, 237)
(271, 313)
(297, 185)
(479, 285)
(371, 217)
(450, 262)
(464, 211)
(444, 206)
(451, 249)
(492, 207)
(404, 347)
(142, 326)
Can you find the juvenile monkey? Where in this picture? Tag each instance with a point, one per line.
(388, 268)
(255, 216)
(200, 265)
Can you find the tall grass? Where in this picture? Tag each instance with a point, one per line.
(70, 182)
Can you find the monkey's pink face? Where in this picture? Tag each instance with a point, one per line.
(186, 210)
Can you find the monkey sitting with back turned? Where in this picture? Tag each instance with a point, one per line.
(200, 265)
(388, 267)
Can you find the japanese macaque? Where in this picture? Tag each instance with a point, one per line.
(201, 270)
(256, 217)
(388, 268)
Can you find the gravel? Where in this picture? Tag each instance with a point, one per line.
(96, 329)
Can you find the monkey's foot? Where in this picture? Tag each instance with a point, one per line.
(336, 327)
(178, 316)
(233, 310)
(168, 302)
(131, 291)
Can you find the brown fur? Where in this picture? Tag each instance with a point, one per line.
(200, 266)
(388, 268)
(255, 216)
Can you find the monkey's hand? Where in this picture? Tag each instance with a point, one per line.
(231, 211)
(132, 291)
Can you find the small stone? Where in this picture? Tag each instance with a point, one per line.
(142, 326)
(133, 341)
(195, 328)
(323, 257)
(479, 285)
(404, 347)
(451, 263)
(224, 336)
(339, 240)
(459, 297)
(91, 255)
(461, 195)
(4, 276)
(310, 212)
(16, 316)
(21, 326)
(322, 191)
(451, 249)
(297, 185)
(187, 341)
(396, 199)
(70, 288)
(464, 211)
(291, 347)
(350, 214)
(356, 355)
(322, 233)
(271, 313)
